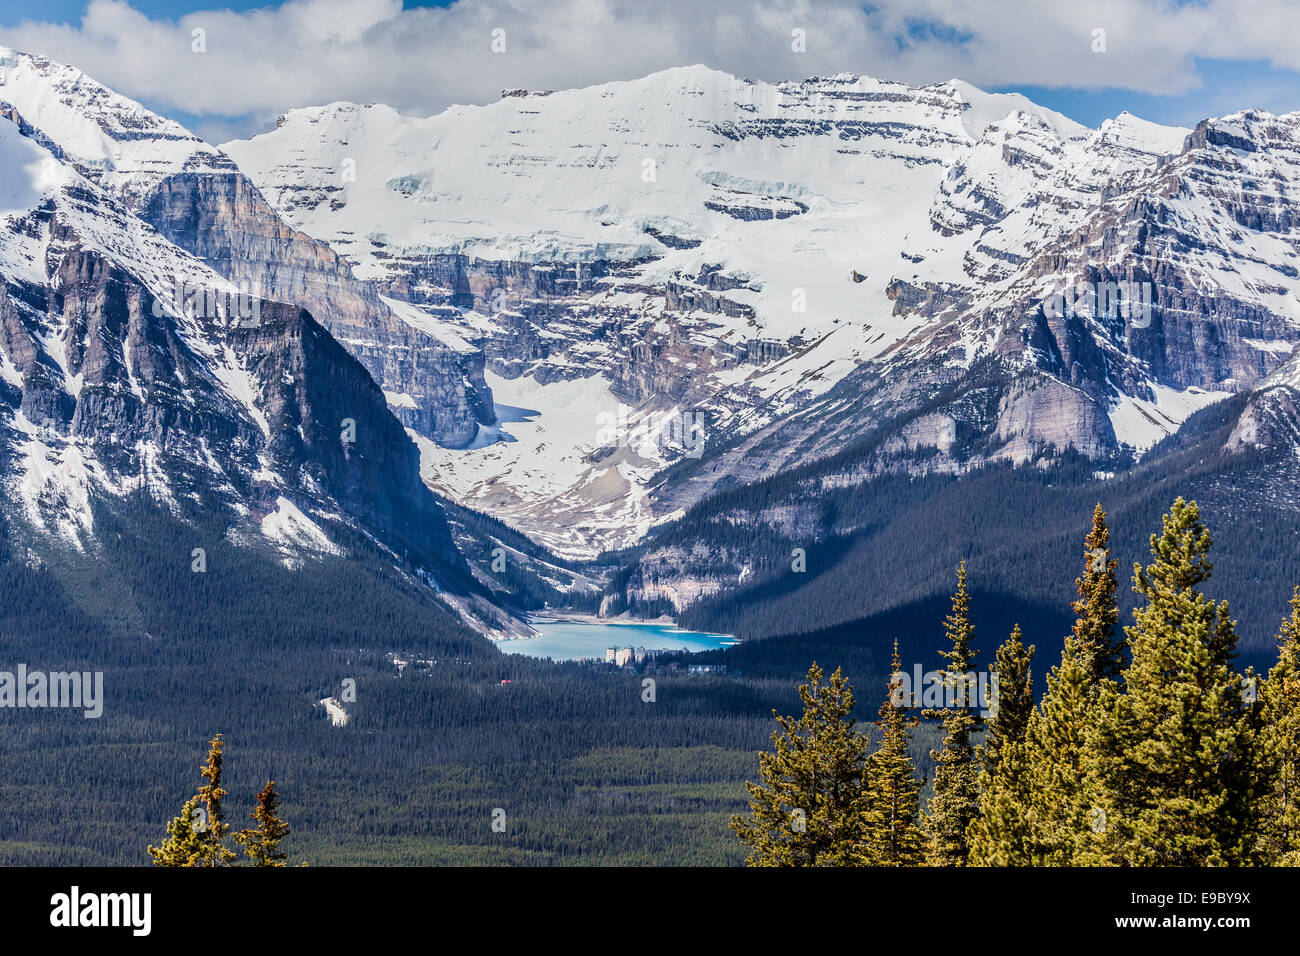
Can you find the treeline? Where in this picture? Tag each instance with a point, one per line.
(528, 576)
(251, 647)
(887, 541)
(586, 771)
(1147, 749)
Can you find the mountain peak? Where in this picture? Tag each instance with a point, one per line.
(116, 139)
(1133, 132)
(984, 109)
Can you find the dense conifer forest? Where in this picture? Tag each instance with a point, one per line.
(583, 768)
(888, 545)
(574, 760)
(1149, 747)
(585, 771)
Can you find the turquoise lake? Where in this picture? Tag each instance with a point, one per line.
(570, 640)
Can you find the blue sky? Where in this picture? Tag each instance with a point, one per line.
(1170, 61)
(1228, 86)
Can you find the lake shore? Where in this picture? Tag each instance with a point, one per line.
(564, 636)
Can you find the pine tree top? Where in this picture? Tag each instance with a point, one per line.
(1015, 697)
(1095, 636)
(262, 843)
(211, 794)
(810, 807)
(1181, 552)
(892, 715)
(958, 628)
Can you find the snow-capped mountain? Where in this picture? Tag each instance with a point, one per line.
(194, 195)
(592, 307)
(794, 265)
(130, 369)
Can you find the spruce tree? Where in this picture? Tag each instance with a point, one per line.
(1171, 757)
(184, 843)
(893, 790)
(1280, 748)
(1015, 699)
(197, 836)
(214, 851)
(810, 808)
(954, 803)
(262, 843)
(999, 835)
(1096, 626)
(1060, 813)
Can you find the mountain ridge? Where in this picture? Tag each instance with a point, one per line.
(131, 366)
(721, 280)
(791, 238)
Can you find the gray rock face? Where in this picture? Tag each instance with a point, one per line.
(1214, 318)
(195, 196)
(1271, 419)
(938, 337)
(541, 322)
(994, 372)
(222, 219)
(109, 386)
(146, 400)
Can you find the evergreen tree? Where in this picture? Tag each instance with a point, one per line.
(214, 851)
(893, 790)
(999, 835)
(1014, 702)
(185, 842)
(1280, 748)
(262, 843)
(1060, 812)
(1170, 759)
(196, 837)
(810, 809)
(955, 801)
(1096, 625)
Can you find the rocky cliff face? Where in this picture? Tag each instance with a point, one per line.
(706, 245)
(801, 263)
(1271, 419)
(194, 195)
(539, 320)
(1095, 316)
(221, 218)
(110, 386)
(1167, 287)
(968, 277)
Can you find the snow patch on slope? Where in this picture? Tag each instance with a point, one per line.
(534, 468)
(53, 485)
(112, 136)
(1140, 423)
(422, 321)
(985, 109)
(1136, 133)
(290, 528)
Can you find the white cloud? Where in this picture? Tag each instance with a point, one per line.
(308, 52)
